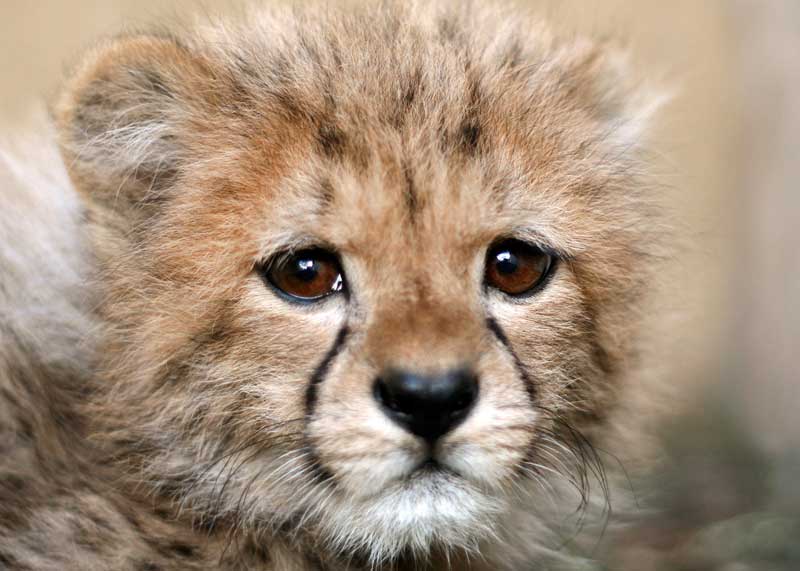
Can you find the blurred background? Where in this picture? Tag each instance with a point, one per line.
(726, 334)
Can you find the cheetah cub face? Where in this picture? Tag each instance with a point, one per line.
(366, 277)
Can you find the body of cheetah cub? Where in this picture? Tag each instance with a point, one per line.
(333, 288)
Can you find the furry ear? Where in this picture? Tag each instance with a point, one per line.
(602, 77)
(122, 119)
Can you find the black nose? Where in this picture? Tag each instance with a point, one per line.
(428, 406)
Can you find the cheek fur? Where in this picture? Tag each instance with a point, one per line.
(490, 445)
(352, 437)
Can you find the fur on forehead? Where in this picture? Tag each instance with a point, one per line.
(392, 83)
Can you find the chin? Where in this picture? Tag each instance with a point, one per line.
(433, 509)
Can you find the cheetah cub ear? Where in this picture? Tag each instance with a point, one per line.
(124, 117)
(601, 76)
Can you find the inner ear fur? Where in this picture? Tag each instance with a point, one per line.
(602, 77)
(122, 119)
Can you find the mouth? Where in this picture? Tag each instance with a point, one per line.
(432, 467)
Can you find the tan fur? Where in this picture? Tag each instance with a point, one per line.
(407, 138)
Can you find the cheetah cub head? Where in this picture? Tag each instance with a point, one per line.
(367, 275)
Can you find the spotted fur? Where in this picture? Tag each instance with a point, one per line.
(163, 409)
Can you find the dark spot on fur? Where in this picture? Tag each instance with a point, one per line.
(603, 360)
(154, 81)
(155, 180)
(10, 562)
(13, 512)
(148, 566)
(327, 193)
(164, 514)
(331, 140)
(288, 104)
(470, 136)
(183, 550)
(94, 96)
(221, 329)
(26, 429)
(14, 483)
(410, 193)
(413, 87)
(258, 551)
(410, 92)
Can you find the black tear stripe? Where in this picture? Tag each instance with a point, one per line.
(322, 370)
(530, 388)
(319, 471)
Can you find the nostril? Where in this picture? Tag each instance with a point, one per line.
(465, 393)
(465, 389)
(461, 404)
(381, 393)
(384, 396)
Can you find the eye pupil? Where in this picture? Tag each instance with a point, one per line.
(306, 270)
(507, 263)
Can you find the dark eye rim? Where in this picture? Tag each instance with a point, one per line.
(553, 261)
(265, 270)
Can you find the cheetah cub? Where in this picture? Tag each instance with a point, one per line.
(331, 288)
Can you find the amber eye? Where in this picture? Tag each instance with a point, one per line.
(515, 267)
(307, 275)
